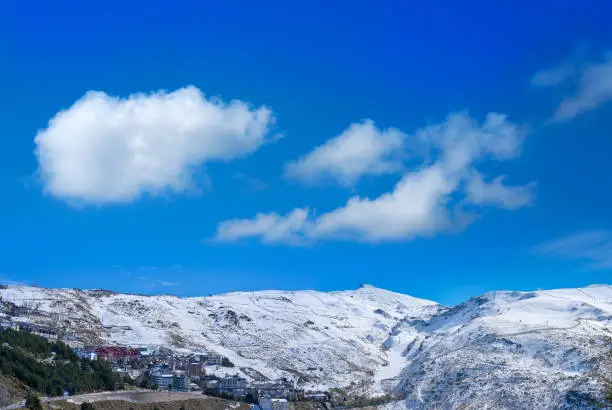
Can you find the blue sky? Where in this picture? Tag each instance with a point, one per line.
(441, 151)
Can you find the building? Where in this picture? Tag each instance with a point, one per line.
(16, 310)
(85, 354)
(320, 397)
(212, 359)
(46, 332)
(167, 380)
(180, 383)
(194, 369)
(160, 368)
(9, 324)
(267, 403)
(280, 389)
(132, 373)
(212, 384)
(112, 353)
(72, 342)
(144, 352)
(135, 373)
(232, 383)
(235, 385)
(163, 380)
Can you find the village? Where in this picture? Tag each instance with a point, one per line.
(159, 368)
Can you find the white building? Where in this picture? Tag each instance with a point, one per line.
(273, 404)
(233, 382)
(144, 352)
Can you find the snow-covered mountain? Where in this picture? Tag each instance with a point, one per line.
(543, 349)
(506, 350)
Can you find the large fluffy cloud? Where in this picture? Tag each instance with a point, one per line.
(593, 86)
(417, 206)
(438, 196)
(105, 149)
(362, 149)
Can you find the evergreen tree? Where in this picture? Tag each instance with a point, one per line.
(33, 402)
(51, 368)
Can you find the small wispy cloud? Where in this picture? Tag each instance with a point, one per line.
(591, 82)
(592, 247)
(481, 192)
(152, 283)
(270, 228)
(166, 284)
(148, 277)
(554, 76)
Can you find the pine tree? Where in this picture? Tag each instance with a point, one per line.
(33, 402)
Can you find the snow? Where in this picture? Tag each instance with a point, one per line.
(512, 349)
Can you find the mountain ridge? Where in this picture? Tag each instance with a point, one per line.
(369, 341)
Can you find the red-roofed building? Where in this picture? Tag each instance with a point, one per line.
(111, 353)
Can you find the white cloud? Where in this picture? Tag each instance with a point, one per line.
(270, 228)
(105, 149)
(480, 192)
(417, 206)
(463, 141)
(423, 203)
(554, 76)
(593, 247)
(362, 149)
(593, 86)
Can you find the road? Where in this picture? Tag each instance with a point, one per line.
(137, 395)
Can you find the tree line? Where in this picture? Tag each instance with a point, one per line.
(52, 368)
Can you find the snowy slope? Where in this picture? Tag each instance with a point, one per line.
(510, 350)
(320, 339)
(544, 349)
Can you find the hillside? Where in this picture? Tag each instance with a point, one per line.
(31, 364)
(545, 349)
(501, 349)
